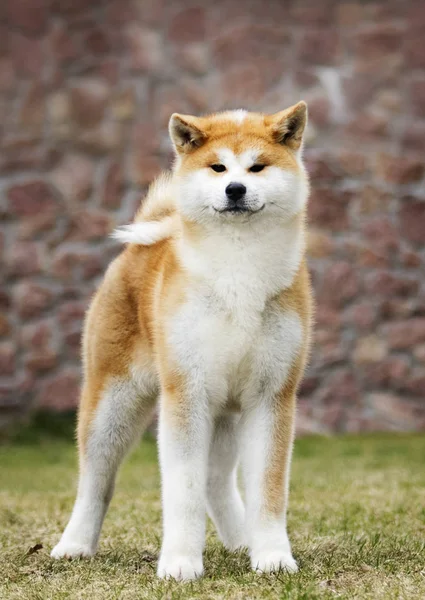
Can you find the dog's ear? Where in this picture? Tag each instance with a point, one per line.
(288, 125)
(185, 133)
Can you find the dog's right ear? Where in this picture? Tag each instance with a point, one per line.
(185, 133)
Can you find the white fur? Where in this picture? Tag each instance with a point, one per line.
(278, 193)
(122, 415)
(235, 347)
(248, 361)
(238, 115)
(145, 233)
(183, 459)
(227, 338)
(224, 503)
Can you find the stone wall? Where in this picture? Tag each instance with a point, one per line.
(86, 89)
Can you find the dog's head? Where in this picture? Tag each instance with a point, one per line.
(237, 166)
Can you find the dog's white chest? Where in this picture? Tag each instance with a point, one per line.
(235, 357)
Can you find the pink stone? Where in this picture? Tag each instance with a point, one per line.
(312, 13)
(114, 186)
(327, 317)
(89, 225)
(23, 258)
(193, 57)
(320, 46)
(73, 177)
(387, 284)
(27, 53)
(31, 299)
(31, 227)
(29, 199)
(7, 75)
(245, 43)
(7, 358)
(321, 167)
(400, 169)
(63, 43)
(103, 138)
(392, 412)
(29, 15)
(341, 387)
(4, 325)
(98, 41)
(37, 335)
(328, 208)
(382, 233)
(60, 392)
(419, 353)
(144, 169)
(71, 314)
(377, 41)
(41, 361)
(340, 284)
(349, 14)
(188, 26)
(414, 49)
(403, 335)
(417, 96)
(146, 137)
(414, 137)
(73, 342)
(89, 98)
(414, 384)
(412, 218)
(145, 48)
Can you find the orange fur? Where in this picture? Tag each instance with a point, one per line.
(143, 284)
(299, 299)
(127, 331)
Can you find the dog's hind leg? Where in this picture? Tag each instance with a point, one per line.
(225, 505)
(105, 435)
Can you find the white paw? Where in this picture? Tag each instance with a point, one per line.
(273, 560)
(71, 550)
(180, 567)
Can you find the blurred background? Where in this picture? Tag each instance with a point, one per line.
(86, 91)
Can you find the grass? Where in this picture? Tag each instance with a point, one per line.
(356, 521)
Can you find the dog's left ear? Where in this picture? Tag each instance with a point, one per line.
(185, 133)
(288, 125)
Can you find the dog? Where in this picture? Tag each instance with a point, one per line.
(209, 309)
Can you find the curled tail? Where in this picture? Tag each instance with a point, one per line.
(156, 219)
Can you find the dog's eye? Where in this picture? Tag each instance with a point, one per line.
(218, 168)
(257, 168)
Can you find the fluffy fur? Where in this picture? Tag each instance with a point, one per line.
(208, 308)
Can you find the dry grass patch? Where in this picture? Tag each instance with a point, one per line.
(357, 524)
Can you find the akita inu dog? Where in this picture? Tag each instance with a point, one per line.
(208, 308)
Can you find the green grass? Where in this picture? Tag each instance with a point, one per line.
(356, 521)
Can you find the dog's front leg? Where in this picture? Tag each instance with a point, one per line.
(184, 439)
(267, 437)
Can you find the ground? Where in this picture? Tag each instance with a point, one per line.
(356, 521)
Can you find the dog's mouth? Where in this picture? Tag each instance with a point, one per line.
(239, 210)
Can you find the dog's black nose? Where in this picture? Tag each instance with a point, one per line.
(235, 191)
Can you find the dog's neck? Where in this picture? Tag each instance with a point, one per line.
(244, 266)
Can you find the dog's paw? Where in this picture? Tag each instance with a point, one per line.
(272, 561)
(72, 550)
(180, 567)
